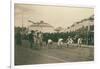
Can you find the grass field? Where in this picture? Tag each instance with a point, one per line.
(24, 55)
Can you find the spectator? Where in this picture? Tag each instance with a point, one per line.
(18, 39)
(31, 39)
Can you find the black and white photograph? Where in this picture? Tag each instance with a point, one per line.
(45, 34)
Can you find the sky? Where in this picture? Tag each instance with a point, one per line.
(57, 16)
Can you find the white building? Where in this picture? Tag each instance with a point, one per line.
(41, 26)
(83, 23)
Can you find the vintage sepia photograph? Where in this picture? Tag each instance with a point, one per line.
(45, 34)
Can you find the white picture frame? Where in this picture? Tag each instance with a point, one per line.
(77, 3)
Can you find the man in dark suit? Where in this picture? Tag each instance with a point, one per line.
(31, 39)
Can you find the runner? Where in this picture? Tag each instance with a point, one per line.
(69, 41)
(50, 42)
(60, 43)
(79, 42)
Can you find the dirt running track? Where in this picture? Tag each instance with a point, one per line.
(25, 55)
